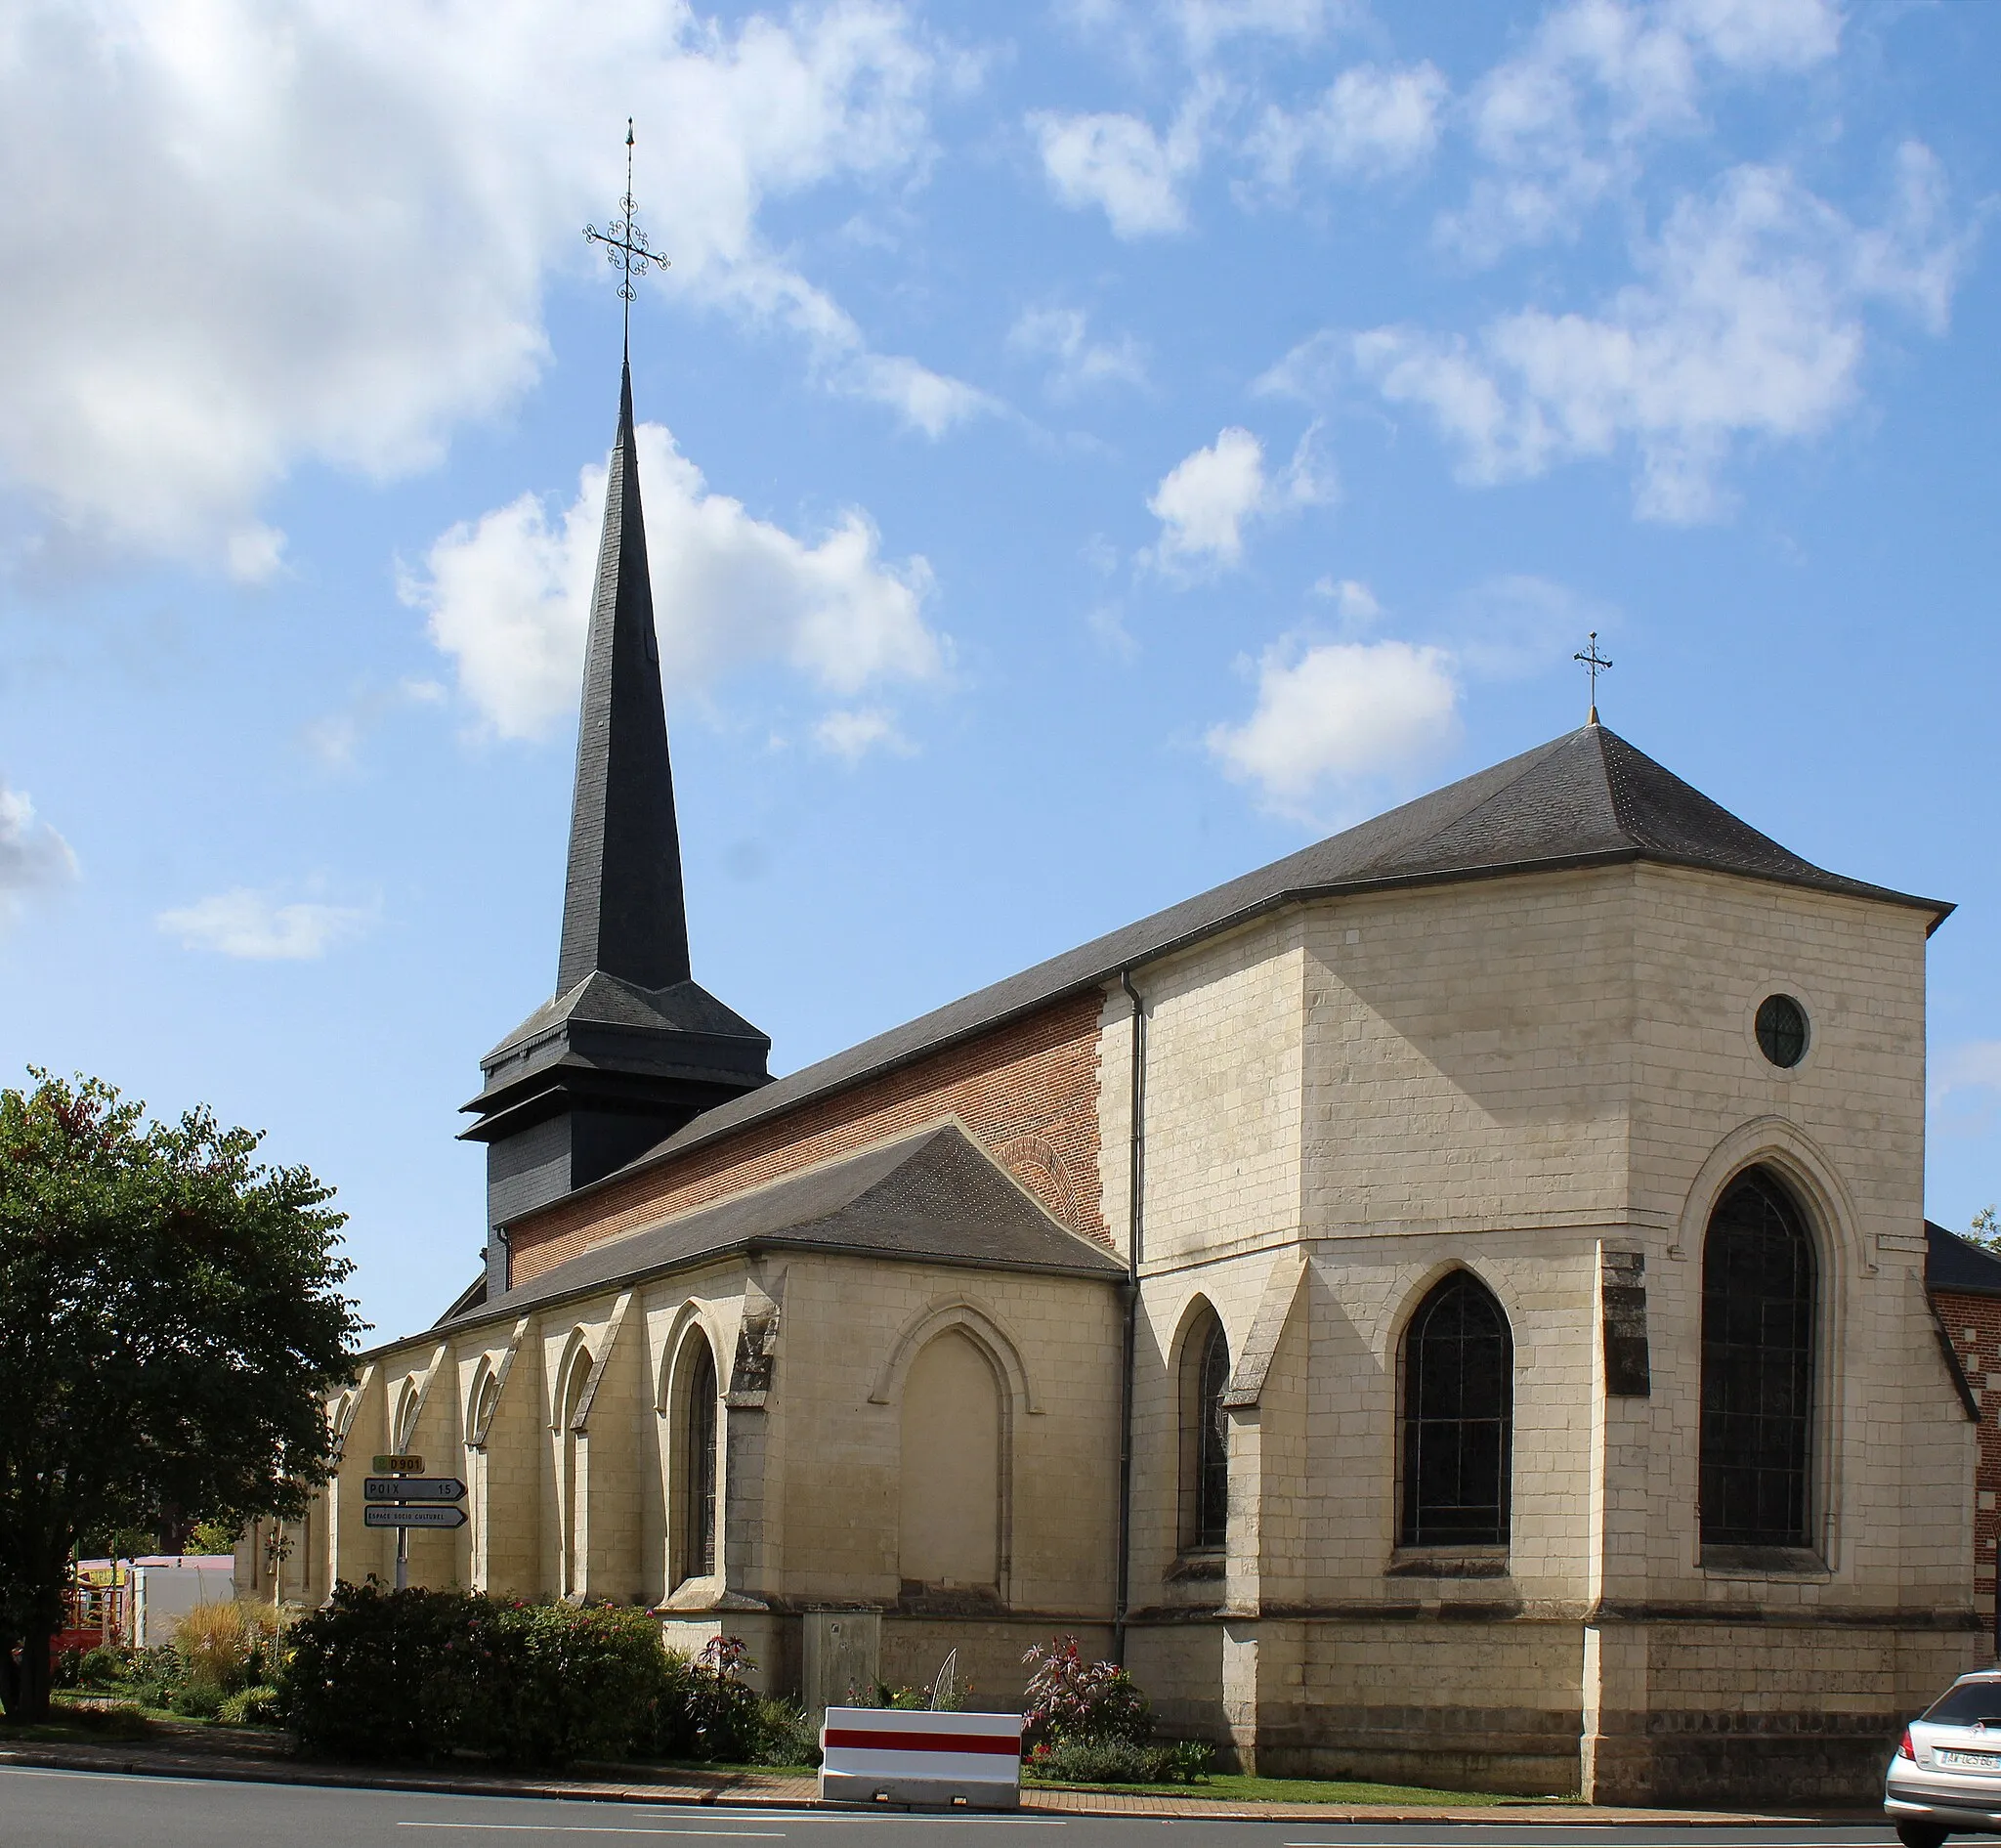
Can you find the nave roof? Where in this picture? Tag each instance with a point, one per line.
(933, 1197)
(1586, 798)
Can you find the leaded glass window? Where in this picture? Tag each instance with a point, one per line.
(1457, 1414)
(1782, 1026)
(1757, 1289)
(1212, 1524)
(699, 1480)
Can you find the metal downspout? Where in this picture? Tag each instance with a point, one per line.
(1136, 1229)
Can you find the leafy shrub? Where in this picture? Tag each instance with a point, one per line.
(388, 1674)
(252, 1706)
(561, 1683)
(786, 1736)
(1070, 1698)
(420, 1674)
(153, 1676)
(1114, 1760)
(103, 1667)
(197, 1699)
(67, 1670)
(1189, 1761)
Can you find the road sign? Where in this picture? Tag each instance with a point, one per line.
(399, 1465)
(413, 1488)
(403, 1516)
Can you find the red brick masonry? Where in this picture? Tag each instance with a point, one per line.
(1974, 1323)
(1028, 1091)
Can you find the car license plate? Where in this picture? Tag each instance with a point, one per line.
(1969, 1761)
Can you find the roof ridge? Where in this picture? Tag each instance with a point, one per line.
(1531, 760)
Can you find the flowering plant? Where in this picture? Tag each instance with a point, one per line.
(1070, 1698)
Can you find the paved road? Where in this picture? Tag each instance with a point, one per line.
(95, 1809)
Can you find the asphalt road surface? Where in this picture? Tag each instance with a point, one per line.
(95, 1809)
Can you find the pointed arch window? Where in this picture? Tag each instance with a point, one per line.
(1758, 1311)
(1204, 1436)
(1458, 1418)
(697, 1484)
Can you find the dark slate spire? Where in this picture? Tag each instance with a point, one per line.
(630, 1047)
(622, 907)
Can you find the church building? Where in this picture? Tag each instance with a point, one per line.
(1449, 1306)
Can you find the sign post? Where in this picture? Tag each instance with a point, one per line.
(393, 1466)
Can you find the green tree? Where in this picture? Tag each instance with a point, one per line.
(1985, 1228)
(170, 1319)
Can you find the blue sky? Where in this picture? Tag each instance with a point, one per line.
(1093, 450)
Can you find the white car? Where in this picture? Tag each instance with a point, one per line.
(1947, 1775)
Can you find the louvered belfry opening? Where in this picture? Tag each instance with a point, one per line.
(1757, 1306)
(1458, 1417)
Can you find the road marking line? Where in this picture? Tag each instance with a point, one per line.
(609, 1828)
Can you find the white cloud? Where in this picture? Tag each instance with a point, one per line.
(1205, 25)
(1337, 714)
(1749, 325)
(34, 856)
(1564, 123)
(853, 734)
(259, 927)
(1372, 123)
(1206, 499)
(1354, 603)
(1123, 165)
(235, 238)
(1762, 34)
(1062, 336)
(508, 595)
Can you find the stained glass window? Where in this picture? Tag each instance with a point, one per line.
(1757, 1368)
(1458, 1413)
(1213, 1443)
(1782, 1030)
(701, 1465)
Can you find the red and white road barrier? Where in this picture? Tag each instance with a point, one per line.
(888, 1755)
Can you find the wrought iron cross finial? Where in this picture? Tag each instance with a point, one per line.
(1594, 665)
(626, 249)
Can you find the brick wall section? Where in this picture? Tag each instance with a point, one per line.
(1028, 1091)
(1975, 1324)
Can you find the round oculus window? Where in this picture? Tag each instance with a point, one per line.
(1782, 1030)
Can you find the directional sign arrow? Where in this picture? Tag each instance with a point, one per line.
(405, 1517)
(413, 1488)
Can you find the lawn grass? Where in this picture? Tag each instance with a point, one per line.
(1229, 1787)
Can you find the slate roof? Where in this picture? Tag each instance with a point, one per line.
(1587, 799)
(623, 910)
(932, 1197)
(1953, 1263)
(626, 1003)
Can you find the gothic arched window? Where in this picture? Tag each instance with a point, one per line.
(1207, 1445)
(1757, 1368)
(697, 1481)
(1457, 1414)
